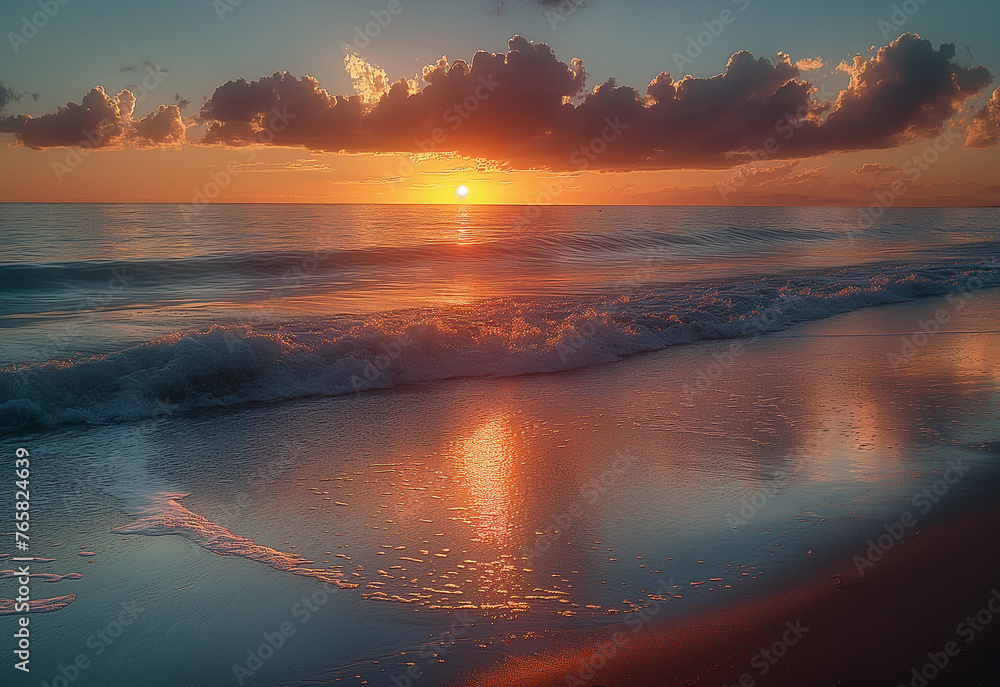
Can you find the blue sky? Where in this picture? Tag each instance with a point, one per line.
(88, 41)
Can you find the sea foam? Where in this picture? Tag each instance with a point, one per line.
(229, 365)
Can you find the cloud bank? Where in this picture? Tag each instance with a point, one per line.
(527, 108)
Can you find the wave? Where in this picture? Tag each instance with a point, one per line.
(229, 365)
(252, 266)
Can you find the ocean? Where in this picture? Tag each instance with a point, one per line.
(394, 445)
(259, 303)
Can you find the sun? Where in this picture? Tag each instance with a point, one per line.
(462, 191)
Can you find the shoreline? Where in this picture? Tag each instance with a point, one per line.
(871, 630)
(864, 629)
(477, 467)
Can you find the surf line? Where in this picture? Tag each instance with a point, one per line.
(165, 515)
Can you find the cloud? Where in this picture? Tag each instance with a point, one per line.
(289, 110)
(907, 91)
(163, 126)
(302, 165)
(751, 177)
(8, 96)
(808, 64)
(985, 128)
(565, 7)
(180, 101)
(876, 168)
(370, 82)
(98, 121)
(496, 104)
(145, 65)
(376, 180)
(527, 108)
(620, 189)
(476, 166)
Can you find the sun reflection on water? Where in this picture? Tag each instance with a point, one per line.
(486, 459)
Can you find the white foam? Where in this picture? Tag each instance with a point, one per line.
(165, 515)
(224, 366)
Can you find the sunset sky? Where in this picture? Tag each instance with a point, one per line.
(844, 103)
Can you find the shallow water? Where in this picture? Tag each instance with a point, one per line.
(507, 504)
(228, 488)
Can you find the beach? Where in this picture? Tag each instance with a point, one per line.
(514, 343)
(494, 530)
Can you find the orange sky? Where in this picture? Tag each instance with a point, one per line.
(957, 177)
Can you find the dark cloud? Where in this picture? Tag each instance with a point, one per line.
(497, 103)
(984, 131)
(907, 91)
(98, 121)
(163, 126)
(527, 108)
(180, 101)
(145, 65)
(517, 107)
(293, 111)
(564, 7)
(8, 96)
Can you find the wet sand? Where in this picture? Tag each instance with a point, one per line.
(853, 630)
(866, 624)
(436, 500)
